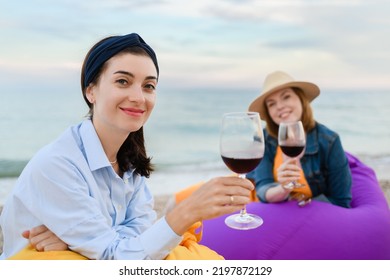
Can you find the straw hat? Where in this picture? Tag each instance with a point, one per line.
(280, 80)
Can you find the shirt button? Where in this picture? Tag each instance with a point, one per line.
(126, 181)
(120, 207)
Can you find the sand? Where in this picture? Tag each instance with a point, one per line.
(161, 201)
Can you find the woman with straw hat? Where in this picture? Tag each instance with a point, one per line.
(323, 169)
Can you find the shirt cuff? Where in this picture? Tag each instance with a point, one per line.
(159, 240)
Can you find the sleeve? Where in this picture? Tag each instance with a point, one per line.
(59, 197)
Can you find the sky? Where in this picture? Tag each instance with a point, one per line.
(202, 43)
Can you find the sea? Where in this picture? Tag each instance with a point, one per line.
(182, 133)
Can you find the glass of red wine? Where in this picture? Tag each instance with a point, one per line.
(292, 141)
(242, 148)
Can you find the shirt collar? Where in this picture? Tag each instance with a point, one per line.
(95, 155)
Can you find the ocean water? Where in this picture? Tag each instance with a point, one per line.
(183, 132)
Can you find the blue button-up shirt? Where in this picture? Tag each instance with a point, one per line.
(71, 187)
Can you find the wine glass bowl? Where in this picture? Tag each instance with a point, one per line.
(291, 138)
(242, 148)
(241, 165)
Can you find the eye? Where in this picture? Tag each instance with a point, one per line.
(122, 81)
(150, 87)
(270, 104)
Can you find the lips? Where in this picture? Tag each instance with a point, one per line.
(284, 114)
(133, 111)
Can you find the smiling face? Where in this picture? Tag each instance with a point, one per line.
(284, 106)
(124, 95)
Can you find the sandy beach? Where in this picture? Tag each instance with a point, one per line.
(161, 200)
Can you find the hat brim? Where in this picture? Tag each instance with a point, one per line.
(310, 90)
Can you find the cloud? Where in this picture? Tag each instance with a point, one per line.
(210, 42)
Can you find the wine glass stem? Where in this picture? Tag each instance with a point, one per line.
(243, 212)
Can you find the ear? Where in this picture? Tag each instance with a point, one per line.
(90, 94)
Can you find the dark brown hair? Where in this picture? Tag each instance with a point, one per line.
(306, 118)
(132, 153)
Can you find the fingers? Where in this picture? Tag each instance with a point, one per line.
(38, 230)
(289, 167)
(235, 200)
(233, 191)
(39, 241)
(216, 197)
(53, 243)
(238, 183)
(42, 239)
(219, 196)
(55, 246)
(288, 171)
(288, 175)
(26, 234)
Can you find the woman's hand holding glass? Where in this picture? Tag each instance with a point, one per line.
(216, 197)
(288, 172)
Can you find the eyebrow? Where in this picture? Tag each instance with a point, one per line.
(131, 75)
(284, 91)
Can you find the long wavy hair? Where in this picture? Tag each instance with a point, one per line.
(132, 153)
(306, 118)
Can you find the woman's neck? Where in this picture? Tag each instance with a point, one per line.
(111, 141)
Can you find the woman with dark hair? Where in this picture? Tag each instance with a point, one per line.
(85, 194)
(323, 169)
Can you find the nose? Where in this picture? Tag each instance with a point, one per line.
(279, 105)
(136, 94)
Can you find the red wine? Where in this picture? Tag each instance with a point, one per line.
(292, 151)
(241, 165)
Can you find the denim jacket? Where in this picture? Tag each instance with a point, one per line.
(324, 164)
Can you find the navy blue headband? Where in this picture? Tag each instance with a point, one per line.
(109, 48)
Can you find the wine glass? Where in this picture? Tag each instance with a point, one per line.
(292, 141)
(242, 148)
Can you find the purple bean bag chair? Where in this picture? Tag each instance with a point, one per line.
(318, 231)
